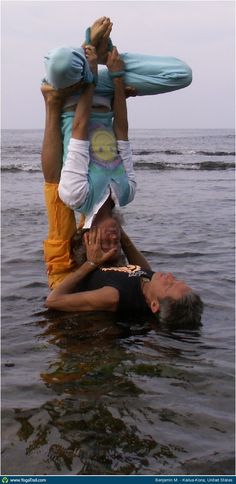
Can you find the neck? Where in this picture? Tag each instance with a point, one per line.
(145, 287)
(105, 211)
(150, 298)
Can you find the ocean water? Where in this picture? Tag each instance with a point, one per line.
(91, 394)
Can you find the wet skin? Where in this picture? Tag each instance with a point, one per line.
(110, 236)
(165, 284)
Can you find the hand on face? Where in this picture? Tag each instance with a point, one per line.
(94, 250)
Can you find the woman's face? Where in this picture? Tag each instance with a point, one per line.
(110, 236)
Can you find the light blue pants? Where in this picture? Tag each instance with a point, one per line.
(66, 66)
(148, 74)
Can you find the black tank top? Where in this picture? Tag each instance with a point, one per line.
(127, 280)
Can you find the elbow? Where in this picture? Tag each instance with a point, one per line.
(132, 192)
(128, 195)
(47, 303)
(73, 198)
(64, 194)
(51, 302)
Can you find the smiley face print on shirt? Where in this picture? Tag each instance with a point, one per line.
(103, 148)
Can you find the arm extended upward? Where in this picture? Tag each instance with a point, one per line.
(133, 255)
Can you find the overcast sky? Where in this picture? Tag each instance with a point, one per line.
(199, 32)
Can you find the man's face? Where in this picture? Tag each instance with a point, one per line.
(164, 284)
(110, 236)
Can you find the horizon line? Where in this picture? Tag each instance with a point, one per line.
(131, 129)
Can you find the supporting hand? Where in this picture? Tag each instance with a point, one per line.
(92, 58)
(114, 61)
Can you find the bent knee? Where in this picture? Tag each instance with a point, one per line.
(188, 75)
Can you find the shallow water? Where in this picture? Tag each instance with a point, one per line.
(91, 394)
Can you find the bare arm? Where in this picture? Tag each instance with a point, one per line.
(115, 66)
(82, 113)
(132, 253)
(83, 108)
(120, 124)
(106, 298)
(74, 182)
(62, 297)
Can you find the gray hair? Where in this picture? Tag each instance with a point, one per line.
(185, 312)
(77, 247)
(78, 250)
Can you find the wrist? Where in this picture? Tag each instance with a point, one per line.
(119, 81)
(91, 264)
(119, 86)
(95, 79)
(117, 74)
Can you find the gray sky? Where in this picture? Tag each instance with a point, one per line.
(199, 32)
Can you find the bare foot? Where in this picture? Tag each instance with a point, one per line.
(103, 44)
(51, 94)
(98, 29)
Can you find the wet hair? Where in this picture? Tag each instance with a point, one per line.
(116, 214)
(78, 250)
(185, 312)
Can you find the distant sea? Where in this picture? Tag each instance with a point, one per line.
(93, 394)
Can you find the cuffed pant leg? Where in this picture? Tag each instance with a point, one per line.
(61, 227)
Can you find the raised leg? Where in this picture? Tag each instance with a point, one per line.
(115, 67)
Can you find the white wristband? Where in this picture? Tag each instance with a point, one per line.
(91, 263)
